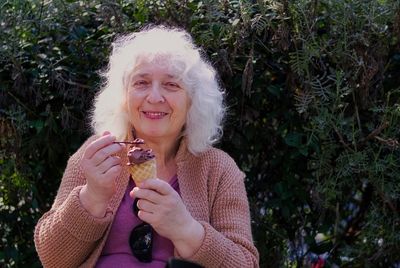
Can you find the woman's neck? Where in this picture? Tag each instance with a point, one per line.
(164, 151)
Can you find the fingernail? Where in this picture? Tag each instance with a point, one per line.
(132, 194)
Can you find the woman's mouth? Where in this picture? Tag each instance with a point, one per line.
(154, 115)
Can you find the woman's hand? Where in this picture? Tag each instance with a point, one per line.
(100, 168)
(162, 207)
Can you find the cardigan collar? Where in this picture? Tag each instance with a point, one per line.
(183, 153)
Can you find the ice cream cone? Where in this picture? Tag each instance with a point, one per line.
(143, 171)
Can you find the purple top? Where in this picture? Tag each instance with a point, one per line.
(116, 251)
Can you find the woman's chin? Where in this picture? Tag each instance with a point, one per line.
(153, 134)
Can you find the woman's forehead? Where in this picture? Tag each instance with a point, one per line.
(145, 68)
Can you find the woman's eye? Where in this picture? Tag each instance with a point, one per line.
(140, 83)
(172, 85)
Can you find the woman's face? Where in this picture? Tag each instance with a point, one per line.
(157, 102)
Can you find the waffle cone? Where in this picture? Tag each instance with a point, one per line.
(143, 171)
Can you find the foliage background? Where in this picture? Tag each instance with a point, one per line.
(313, 89)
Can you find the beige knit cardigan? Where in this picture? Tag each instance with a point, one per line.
(211, 187)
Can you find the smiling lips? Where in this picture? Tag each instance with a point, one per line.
(154, 115)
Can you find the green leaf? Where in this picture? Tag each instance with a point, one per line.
(38, 125)
(294, 139)
(274, 90)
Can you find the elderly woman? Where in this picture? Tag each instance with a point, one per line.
(158, 88)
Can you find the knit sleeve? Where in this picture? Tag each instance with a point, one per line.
(66, 235)
(228, 238)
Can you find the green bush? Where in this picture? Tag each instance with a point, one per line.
(313, 89)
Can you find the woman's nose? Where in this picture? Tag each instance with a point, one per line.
(155, 95)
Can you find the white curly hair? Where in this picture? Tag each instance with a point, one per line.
(174, 46)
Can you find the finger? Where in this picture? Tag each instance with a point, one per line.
(113, 171)
(104, 153)
(162, 187)
(146, 216)
(147, 194)
(97, 145)
(108, 163)
(146, 205)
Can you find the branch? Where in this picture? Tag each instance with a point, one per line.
(357, 113)
(374, 133)
(393, 143)
(389, 142)
(341, 139)
(73, 83)
(389, 202)
(354, 225)
(22, 104)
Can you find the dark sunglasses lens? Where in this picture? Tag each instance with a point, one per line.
(141, 242)
(135, 208)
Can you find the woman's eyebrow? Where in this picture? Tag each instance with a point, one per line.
(144, 75)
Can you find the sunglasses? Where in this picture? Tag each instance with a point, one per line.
(141, 239)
